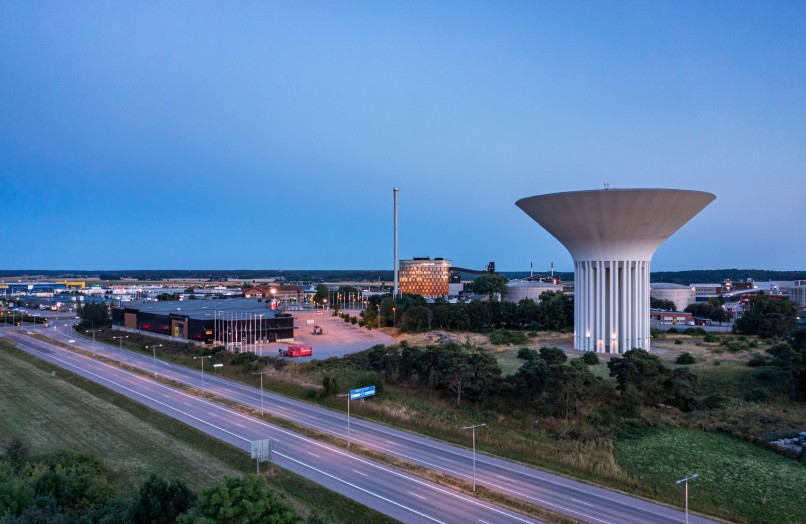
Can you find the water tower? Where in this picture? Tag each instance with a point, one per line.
(612, 235)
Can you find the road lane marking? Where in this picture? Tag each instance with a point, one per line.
(380, 430)
(581, 502)
(416, 495)
(314, 454)
(311, 441)
(361, 473)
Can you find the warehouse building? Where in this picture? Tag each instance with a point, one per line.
(225, 322)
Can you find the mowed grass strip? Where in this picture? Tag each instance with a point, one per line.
(738, 480)
(66, 411)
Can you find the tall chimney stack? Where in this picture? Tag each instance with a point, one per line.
(396, 261)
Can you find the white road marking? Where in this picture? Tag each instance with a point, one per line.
(416, 495)
(581, 502)
(314, 454)
(361, 473)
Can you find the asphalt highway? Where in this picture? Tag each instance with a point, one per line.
(575, 499)
(400, 495)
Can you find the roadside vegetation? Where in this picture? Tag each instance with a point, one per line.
(74, 451)
(576, 416)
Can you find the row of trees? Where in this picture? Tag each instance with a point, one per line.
(77, 487)
(554, 311)
(547, 380)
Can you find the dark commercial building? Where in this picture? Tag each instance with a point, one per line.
(231, 321)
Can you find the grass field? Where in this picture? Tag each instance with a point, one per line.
(68, 412)
(737, 480)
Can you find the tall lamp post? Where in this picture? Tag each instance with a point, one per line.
(154, 349)
(202, 359)
(473, 429)
(261, 389)
(394, 317)
(685, 481)
(120, 339)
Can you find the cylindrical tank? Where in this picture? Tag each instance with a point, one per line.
(518, 290)
(612, 235)
(682, 296)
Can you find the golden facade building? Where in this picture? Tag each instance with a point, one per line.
(426, 277)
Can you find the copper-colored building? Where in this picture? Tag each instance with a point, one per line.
(426, 277)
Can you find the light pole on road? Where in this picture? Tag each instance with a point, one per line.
(473, 429)
(261, 390)
(685, 481)
(120, 338)
(202, 359)
(154, 349)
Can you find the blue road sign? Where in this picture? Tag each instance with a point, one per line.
(368, 391)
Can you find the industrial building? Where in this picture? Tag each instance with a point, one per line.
(518, 290)
(681, 295)
(612, 235)
(225, 322)
(286, 293)
(426, 277)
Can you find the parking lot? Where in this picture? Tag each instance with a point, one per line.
(338, 338)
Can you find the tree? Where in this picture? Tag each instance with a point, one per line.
(642, 371)
(416, 318)
(790, 355)
(712, 310)
(569, 386)
(93, 314)
(767, 318)
(488, 284)
(321, 294)
(160, 501)
(245, 500)
(553, 356)
(657, 303)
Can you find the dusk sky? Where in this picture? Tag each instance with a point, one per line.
(269, 135)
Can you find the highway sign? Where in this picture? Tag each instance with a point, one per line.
(368, 391)
(261, 449)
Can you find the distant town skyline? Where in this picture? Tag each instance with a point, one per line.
(269, 136)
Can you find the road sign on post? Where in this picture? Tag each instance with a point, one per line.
(261, 451)
(368, 391)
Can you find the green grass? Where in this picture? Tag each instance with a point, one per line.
(738, 480)
(66, 411)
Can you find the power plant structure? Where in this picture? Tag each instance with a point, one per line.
(612, 235)
(397, 263)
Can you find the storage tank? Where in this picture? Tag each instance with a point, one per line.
(612, 235)
(517, 290)
(682, 296)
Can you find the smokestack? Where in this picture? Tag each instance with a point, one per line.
(531, 269)
(396, 262)
(552, 269)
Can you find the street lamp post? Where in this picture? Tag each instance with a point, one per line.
(685, 481)
(394, 317)
(473, 429)
(378, 309)
(154, 350)
(202, 359)
(261, 390)
(120, 339)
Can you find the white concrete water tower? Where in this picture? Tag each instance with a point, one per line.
(612, 235)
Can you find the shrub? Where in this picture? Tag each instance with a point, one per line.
(672, 330)
(694, 331)
(505, 336)
(715, 401)
(527, 353)
(759, 360)
(684, 358)
(655, 333)
(590, 358)
(678, 342)
(758, 395)
(710, 338)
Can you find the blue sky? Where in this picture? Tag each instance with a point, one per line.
(269, 135)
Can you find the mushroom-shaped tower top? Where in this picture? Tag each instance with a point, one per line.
(614, 223)
(612, 235)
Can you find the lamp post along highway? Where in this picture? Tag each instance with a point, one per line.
(261, 390)
(202, 359)
(120, 340)
(685, 481)
(473, 429)
(154, 350)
